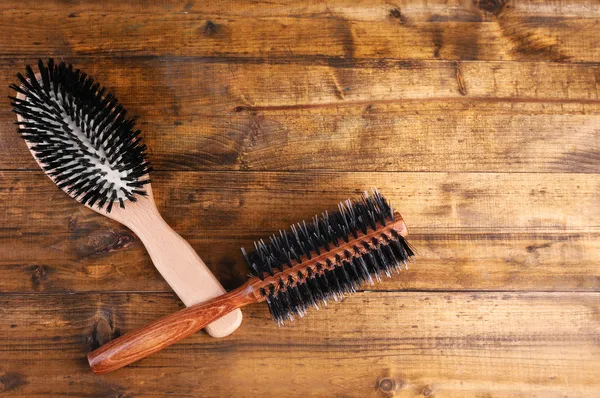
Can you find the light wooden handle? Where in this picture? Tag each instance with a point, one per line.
(162, 333)
(181, 267)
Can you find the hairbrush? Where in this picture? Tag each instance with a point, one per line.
(85, 142)
(308, 265)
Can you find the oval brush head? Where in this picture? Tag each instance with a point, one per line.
(83, 139)
(80, 135)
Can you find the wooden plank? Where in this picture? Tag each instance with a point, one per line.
(473, 231)
(451, 345)
(344, 31)
(358, 9)
(265, 117)
(183, 86)
(258, 203)
(412, 136)
(110, 258)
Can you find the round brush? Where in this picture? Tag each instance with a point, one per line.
(311, 264)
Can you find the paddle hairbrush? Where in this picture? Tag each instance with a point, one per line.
(83, 139)
(305, 266)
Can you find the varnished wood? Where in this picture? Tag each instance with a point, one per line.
(479, 118)
(168, 330)
(430, 202)
(360, 10)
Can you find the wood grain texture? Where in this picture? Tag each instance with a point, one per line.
(479, 119)
(457, 202)
(167, 86)
(162, 333)
(360, 9)
(467, 116)
(470, 136)
(102, 258)
(487, 30)
(544, 237)
(425, 344)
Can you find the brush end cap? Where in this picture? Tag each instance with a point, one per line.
(226, 325)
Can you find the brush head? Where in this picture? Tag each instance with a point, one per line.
(80, 135)
(329, 257)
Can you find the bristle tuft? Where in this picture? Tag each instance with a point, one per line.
(81, 135)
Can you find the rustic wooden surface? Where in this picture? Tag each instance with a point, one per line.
(480, 120)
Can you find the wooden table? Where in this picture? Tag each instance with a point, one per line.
(479, 120)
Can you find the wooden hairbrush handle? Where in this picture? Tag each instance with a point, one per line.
(107, 148)
(162, 333)
(176, 260)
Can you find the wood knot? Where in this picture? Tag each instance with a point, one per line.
(103, 241)
(11, 380)
(104, 329)
(395, 13)
(388, 385)
(39, 274)
(492, 6)
(210, 28)
(426, 391)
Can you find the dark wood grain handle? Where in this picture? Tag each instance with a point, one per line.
(159, 334)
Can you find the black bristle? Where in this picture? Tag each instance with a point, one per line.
(382, 260)
(69, 120)
(285, 301)
(339, 275)
(363, 269)
(336, 290)
(315, 289)
(297, 304)
(305, 291)
(326, 289)
(274, 305)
